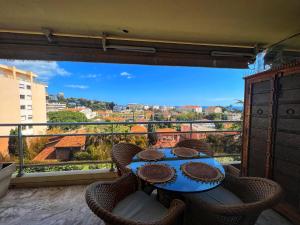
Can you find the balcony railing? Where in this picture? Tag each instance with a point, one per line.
(112, 134)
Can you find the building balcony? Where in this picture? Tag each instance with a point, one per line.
(51, 190)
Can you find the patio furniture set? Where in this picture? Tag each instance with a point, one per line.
(187, 186)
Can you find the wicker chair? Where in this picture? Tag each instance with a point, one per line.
(122, 155)
(254, 195)
(199, 145)
(104, 197)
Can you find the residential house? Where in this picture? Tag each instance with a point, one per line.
(190, 108)
(62, 148)
(213, 109)
(167, 137)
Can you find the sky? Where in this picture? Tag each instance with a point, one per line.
(152, 85)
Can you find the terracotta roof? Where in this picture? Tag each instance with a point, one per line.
(74, 109)
(71, 141)
(191, 107)
(167, 130)
(138, 129)
(4, 147)
(43, 155)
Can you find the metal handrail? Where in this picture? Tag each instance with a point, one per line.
(112, 133)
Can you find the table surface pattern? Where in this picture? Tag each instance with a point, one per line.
(181, 183)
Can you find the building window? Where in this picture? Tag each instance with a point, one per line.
(30, 127)
(21, 86)
(28, 87)
(29, 107)
(22, 107)
(23, 118)
(30, 117)
(29, 97)
(22, 96)
(23, 127)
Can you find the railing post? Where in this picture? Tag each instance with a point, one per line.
(191, 130)
(21, 153)
(112, 144)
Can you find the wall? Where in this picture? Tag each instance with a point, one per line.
(39, 107)
(9, 103)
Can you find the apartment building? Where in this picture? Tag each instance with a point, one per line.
(55, 106)
(22, 100)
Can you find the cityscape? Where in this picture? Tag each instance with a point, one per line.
(29, 101)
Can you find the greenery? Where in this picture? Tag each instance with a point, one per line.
(92, 104)
(13, 144)
(225, 143)
(66, 116)
(82, 156)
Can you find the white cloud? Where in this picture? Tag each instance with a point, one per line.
(44, 69)
(90, 76)
(126, 74)
(78, 86)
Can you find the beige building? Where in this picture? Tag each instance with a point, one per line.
(22, 100)
(213, 109)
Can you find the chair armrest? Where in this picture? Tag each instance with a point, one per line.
(232, 170)
(106, 194)
(256, 193)
(173, 214)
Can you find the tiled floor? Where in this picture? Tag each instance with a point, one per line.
(66, 206)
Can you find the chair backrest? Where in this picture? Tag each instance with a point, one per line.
(122, 155)
(198, 145)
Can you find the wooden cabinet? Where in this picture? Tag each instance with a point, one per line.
(271, 133)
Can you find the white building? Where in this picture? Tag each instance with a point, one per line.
(213, 109)
(234, 115)
(55, 106)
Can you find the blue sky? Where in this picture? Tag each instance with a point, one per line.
(122, 83)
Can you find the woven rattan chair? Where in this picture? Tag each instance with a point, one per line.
(199, 145)
(122, 155)
(239, 201)
(104, 197)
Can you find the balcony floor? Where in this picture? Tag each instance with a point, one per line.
(66, 206)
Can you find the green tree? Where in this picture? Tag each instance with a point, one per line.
(66, 116)
(13, 144)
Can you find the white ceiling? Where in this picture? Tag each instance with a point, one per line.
(235, 22)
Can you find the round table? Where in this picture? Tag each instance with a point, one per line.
(181, 183)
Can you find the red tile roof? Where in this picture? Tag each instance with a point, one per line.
(75, 109)
(166, 130)
(4, 147)
(138, 129)
(43, 155)
(191, 107)
(71, 141)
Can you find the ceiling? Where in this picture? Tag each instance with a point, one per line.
(235, 23)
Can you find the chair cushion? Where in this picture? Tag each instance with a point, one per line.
(217, 195)
(140, 207)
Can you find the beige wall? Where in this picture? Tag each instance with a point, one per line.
(39, 107)
(9, 103)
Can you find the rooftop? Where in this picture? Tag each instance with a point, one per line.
(71, 141)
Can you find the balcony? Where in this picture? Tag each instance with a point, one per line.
(62, 182)
(66, 205)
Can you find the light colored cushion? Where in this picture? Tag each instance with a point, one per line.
(140, 207)
(217, 195)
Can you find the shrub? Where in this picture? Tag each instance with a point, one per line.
(82, 156)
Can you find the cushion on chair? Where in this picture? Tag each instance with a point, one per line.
(217, 195)
(140, 207)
